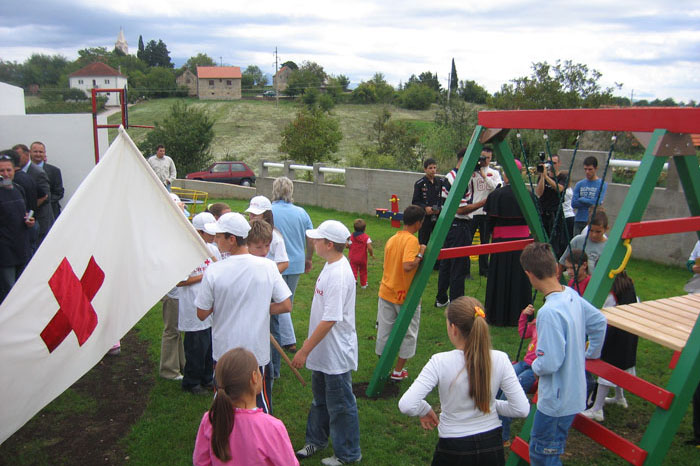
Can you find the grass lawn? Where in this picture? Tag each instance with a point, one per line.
(166, 432)
(250, 130)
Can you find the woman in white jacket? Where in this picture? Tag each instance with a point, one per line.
(468, 379)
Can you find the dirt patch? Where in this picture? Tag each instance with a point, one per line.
(86, 423)
(390, 390)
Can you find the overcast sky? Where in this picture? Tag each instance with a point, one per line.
(652, 47)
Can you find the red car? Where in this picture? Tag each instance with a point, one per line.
(226, 172)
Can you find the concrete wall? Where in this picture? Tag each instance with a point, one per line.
(220, 89)
(217, 190)
(11, 100)
(68, 139)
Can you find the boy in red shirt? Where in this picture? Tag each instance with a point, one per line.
(360, 244)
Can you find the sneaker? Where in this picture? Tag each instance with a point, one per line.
(439, 304)
(399, 375)
(307, 451)
(335, 461)
(595, 415)
(617, 401)
(364, 287)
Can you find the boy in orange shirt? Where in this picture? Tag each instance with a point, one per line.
(402, 255)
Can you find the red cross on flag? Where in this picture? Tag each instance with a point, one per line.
(119, 245)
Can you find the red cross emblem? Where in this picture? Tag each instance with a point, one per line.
(74, 296)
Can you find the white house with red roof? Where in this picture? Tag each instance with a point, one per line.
(99, 76)
(219, 82)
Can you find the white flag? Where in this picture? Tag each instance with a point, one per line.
(119, 245)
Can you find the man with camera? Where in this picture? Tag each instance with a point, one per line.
(427, 193)
(483, 182)
(549, 190)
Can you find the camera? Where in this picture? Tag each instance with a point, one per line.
(478, 164)
(540, 166)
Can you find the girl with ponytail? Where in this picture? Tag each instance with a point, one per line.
(468, 379)
(234, 431)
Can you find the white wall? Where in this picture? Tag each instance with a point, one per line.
(11, 100)
(68, 140)
(115, 82)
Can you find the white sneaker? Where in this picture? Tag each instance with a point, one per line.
(307, 451)
(595, 415)
(616, 401)
(335, 461)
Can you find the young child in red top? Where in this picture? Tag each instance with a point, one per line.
(577, 268)
(360, 244)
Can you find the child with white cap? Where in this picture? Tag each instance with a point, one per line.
(199, 370)
(330, 351)
(237, 292)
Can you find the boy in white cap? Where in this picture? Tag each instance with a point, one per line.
(199, 370)
(237, 292)
(330, 351)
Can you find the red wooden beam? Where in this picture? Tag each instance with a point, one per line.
(521, 448)
(480, 249)
(661, 227)
(643, 119)
(674, 360)
(610, 440)
(640, 387)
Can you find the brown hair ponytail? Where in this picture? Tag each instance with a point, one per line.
(233, 373)
(467, 314)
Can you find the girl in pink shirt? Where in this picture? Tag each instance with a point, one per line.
(234, 431)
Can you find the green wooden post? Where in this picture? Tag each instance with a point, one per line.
(689, 174)
(632, 210)
(522, 195)
(513, 459)
(437, 239)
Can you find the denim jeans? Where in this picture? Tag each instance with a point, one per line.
(527, 379)
(484, 449)
(199, 366)
(548, 438)
(334, 411)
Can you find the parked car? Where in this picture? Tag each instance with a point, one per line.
(226, 172)
(269, 94)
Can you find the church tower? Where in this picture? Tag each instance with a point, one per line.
(121, 42)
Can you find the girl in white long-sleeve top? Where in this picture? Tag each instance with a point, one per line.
(468, 379)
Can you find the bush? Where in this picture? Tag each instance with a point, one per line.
(74, 94)
(66, 107)
(311, 137)
(186, 133)
(417, 97)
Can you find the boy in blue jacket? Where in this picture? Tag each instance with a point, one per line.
(562, 326)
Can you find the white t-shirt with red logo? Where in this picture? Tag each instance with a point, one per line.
(239, 289)
(334, 300)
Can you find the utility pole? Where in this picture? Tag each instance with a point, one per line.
(221, 60)
(275, 78)
(632, 98)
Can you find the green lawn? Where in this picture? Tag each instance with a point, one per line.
(166, 432)
(249, 130)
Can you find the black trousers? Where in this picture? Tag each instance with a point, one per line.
(484, 449)
(453, 272)
(199, 366)
(481, 223)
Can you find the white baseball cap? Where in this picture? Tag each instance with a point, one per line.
(175, 197)
(201, 219)
(332, 230)
(231, 222)
(258, 205)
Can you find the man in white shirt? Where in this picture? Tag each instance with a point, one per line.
(483, 182)
(237, 292)
(163, 166)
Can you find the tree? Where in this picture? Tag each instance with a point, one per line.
(44, 70)
(74, 94)
(201, 59)
(343, 81)
(373, 91)
(310, 75)
(427, 78)
(253, 76)
(417, 97)
(289, 64)
(472, 92)
(157, 54)
(187, 133)
(160, 82)
(454, 81)
(311, 137)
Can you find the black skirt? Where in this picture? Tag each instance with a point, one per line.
(508, 290)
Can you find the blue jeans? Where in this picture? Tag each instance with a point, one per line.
(334, 411)
(527, 379)
(548, 438)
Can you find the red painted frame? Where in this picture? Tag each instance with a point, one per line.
(610, 440)
(640, 387)
(661, 227)
(641, 119)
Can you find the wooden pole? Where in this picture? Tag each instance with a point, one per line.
(286, 359)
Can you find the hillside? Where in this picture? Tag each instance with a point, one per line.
(250, 130)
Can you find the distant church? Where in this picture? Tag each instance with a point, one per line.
(121, 42)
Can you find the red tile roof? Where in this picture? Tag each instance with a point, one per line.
(212, 72)
(97, 69)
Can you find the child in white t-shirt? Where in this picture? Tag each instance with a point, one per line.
(199, 369)
(237, 292)
(330, 351)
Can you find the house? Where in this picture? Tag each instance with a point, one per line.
(189, 80)
(219, 82)
(279, 80)
(98, 76)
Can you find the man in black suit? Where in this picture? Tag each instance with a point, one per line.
(37, 152)
(44, 212)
